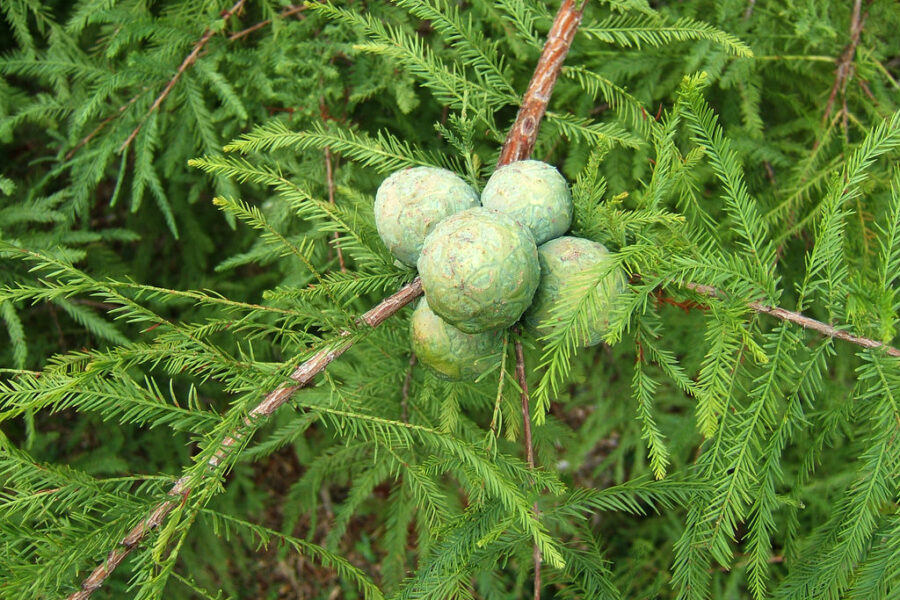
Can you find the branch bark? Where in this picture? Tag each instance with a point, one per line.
(523, 134)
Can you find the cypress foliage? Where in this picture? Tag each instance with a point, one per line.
(186, 216)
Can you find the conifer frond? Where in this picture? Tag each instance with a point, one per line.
(882, 139)
(741, 207)
(522, 15)
(483, 56)
(448, 82)
(599, 87)
(582, 129)
(644, 391)
(637, 31)
(385, 152)
(229, 525)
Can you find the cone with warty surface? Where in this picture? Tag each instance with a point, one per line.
(563, 261)
(533, 193)
(479, 269)
(449, 352)
(411, 202)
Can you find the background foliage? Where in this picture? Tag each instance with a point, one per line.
(163, 266)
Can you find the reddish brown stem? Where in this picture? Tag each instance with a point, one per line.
(102, 124)
(844, 68)
(523, 134)
(529, 449)
(533, 108)
(526, 411)
(404, 391)
(185, 64)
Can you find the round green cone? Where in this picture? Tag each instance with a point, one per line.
(479, 269)
(562, 261)
(409, 204)
(449, 352)
(535, 194)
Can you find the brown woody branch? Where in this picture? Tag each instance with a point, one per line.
(523, 134)
(185, 65)
(798, 319)
(562, 32)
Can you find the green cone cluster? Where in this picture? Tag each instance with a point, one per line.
(481, 266)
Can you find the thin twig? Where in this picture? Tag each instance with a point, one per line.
(523, 387)
(337, 237)
(799, 319)
(533, 108)
(290, 10)
(103, 124)
(185, 64)
(404, 391)
(845, 64)
(529, 449)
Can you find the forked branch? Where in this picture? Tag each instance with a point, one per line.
(185, 64)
